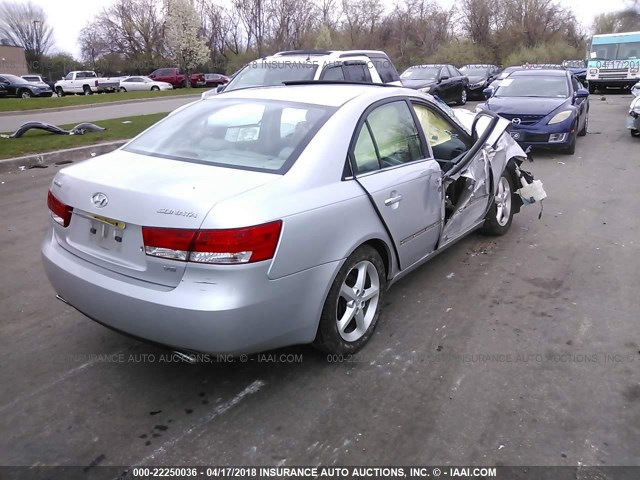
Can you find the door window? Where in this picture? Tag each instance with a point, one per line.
(447, 143)
(388, 138)
(576, 84)
(364, 153)
(357, 72)
(333, 73)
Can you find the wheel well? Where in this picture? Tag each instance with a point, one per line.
(382, 248)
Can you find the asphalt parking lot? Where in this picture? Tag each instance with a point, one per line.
(519, 350)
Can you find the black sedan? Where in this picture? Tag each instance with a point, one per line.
(443, 81)
(19, 87)
(480, 77)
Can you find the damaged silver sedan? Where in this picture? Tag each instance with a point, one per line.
(268, 217)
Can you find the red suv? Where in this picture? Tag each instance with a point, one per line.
(169, 75)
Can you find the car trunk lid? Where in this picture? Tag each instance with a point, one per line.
(115, 195)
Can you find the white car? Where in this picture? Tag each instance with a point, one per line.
(136, 84)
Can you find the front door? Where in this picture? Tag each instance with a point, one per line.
(467, 193)
(393, 165)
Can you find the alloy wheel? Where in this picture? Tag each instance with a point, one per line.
(358, 301)
(503, 202)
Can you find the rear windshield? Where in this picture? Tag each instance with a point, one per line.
(272, 72)
(259, 135)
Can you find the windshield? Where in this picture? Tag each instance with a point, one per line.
(534, 86)
(616, 51)
(249, 134)
(420, 73)
(257, 74)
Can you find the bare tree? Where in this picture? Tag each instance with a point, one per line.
(330, 12)
(93, 45)
(253, 14)
(477, 19)
(291, 21)
(625, 20)
(25, 25)
(134, 29)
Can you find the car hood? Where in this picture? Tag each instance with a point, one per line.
(415, 84)
(525, 105)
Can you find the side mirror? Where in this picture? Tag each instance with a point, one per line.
(444, 77)
(487, 92)
(220, 88)
(582, 93)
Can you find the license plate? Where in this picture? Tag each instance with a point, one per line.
(115, 223)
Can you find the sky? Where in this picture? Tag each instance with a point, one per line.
(67, 19)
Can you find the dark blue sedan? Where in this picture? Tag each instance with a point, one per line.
(547, 108)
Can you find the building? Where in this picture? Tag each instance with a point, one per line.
(12, 60)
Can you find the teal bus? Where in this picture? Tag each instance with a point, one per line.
(614, 60)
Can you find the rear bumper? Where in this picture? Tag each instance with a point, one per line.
(226, 310)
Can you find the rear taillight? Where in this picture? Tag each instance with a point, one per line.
(230, 246)
(60, 212)
(96, 83)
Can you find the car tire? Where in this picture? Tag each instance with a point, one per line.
(463, 97)
(500, 215)
(123, 90)
(571, 148)
(87, 90)
(583, 131)
(155, 88)
(348, 317)
(592, 88)
(60, 92)
(26, 94)
(634, 133)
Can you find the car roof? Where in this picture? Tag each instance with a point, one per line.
(436, 65)
(333, 95)
(539, 73)
(327, 53)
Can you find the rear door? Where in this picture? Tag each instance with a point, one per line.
(392, 163)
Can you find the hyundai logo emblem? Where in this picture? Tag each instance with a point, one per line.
(516, 121)
(100, 200)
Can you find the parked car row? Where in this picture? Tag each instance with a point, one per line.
(177, 79)
(14, 86)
